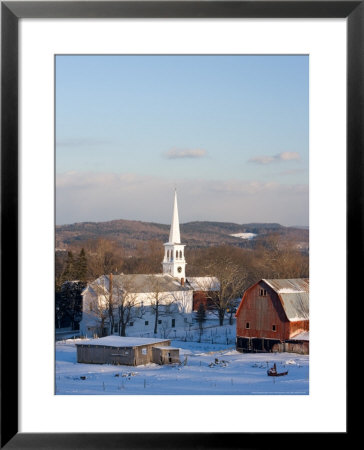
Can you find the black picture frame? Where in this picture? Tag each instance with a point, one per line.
(11, 12)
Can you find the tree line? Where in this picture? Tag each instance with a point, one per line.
(235, 268)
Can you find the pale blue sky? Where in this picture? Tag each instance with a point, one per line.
(230, 132)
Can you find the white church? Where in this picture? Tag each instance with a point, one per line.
(141, 303)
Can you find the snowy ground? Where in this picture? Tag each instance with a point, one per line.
(205, 368)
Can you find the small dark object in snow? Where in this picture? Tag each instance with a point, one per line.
(272, 372)
(116, 375)
(83, 378)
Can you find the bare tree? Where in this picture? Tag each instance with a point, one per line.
(231, 283)
(103, 256)
(160, 301)
(103, 305)
(165, 328)
(127, 304)
(280, 258)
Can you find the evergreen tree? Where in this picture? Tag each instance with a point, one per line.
(69, 271)
(81, 266)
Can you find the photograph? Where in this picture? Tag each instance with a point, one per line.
(181, 224)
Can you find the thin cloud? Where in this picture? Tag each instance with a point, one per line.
(82, 141)
(268, 159)
(177, 153)
(92, 196)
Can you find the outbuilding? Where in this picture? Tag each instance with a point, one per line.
(131, 351)
(273, 315)
(165, 355)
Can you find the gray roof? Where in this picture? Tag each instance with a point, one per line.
(139, 283)
(204, 283)
(120, 341)
(294, 296)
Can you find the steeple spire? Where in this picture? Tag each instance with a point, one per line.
(174, 262)
(174, 234)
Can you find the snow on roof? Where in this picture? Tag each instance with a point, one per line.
(288, 285)
(120, 341)
(165, 347)
(140, 283)
(304, 336)
(294, 295)
(204, 283)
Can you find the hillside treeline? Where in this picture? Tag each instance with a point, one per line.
(271, 256)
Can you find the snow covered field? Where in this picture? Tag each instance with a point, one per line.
(205, 369)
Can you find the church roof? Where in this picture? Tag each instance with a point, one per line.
(143, 283)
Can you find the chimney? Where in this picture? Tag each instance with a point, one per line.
(182, 281)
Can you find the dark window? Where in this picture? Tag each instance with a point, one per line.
(247, 325)
(146, 322)
(131, 324)
(173, 323)
(262, 292)
(159, 321)
(274, 327)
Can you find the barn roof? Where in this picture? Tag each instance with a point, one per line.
(294, 296)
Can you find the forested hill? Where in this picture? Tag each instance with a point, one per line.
(130, 233)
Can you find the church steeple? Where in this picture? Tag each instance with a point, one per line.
(174, 262)
(174, 234)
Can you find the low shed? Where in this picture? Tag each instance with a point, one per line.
(119, 350)
(165, 355)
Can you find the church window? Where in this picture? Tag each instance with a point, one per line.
(180, 254)
(176, 253)
(167, 254)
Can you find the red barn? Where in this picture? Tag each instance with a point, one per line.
(204, 290)
(273, 315)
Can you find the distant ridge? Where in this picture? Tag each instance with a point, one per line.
(129, 233)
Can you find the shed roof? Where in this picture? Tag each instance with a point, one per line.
(204, 283)
(303, 336)
(120, 341)
(165, 347)
(294, 296)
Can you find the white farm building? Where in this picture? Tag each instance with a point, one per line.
(139, 303)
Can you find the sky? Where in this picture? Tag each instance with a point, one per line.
(229, 132)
